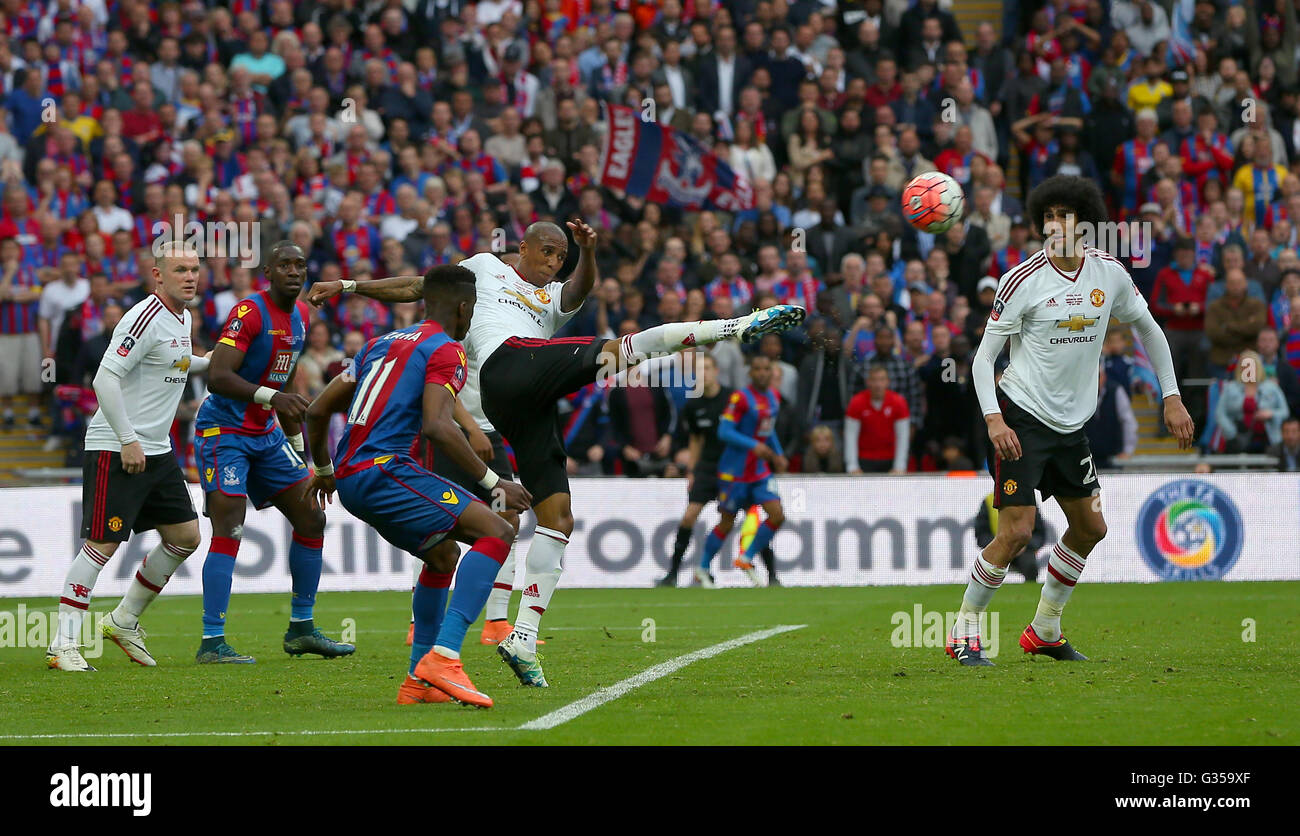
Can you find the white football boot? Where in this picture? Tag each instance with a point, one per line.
(131, 640)
(66, 659)
(527, 666)
(704, 579)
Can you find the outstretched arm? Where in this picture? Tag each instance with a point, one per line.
(395, 289)
(579, 285)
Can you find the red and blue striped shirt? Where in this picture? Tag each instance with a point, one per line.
(749, 419)
(20, 317)
(352, 245)
(387, 409)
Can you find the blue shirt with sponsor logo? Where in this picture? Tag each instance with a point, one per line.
(271, 340)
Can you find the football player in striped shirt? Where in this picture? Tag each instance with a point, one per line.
(750, 454)
(243, 454)
(132, 481)
(1054, 309)
(407, 384)
(517, 372)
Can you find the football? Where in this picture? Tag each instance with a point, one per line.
(933, 202)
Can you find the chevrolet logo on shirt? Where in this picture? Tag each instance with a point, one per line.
(183, 364)
(524, 299)
(1077, 322)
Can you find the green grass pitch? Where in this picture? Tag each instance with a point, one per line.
(1170, 666)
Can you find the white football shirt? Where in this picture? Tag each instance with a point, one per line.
(150, 351)
(1057, 324)
(508, 306)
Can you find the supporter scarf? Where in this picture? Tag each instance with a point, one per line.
(517, 88)
(615, 77)
(1204, 253)
(54, 79)
(246, 118)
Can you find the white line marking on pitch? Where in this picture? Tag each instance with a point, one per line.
(546, 721)
(245, 733)
(618, 689)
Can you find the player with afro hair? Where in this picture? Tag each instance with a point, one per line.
(1080, 195)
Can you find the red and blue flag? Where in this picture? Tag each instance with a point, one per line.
(668, 167)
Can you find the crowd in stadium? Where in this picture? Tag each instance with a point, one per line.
(388, 137)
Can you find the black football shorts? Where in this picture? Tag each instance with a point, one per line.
(115, 503)
(1053, 463)
(521, 383)
(704, 487)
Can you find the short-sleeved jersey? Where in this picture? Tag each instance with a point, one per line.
(508, 306)
(150, 351)
(876, 432)
(752, 413)
(1133, 159)
(702, 415)
(1057, 323)
(271, 340)
(21, 317)
(1260, 187)
(353, 245)
(387, 409)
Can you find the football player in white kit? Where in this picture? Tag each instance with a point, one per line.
(132, 481)
(1054, 308)
(517, 372)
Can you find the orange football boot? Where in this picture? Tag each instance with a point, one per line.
(414, 691)
(448, 676)
(748, 568)
(495, 632)
(410, 635)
